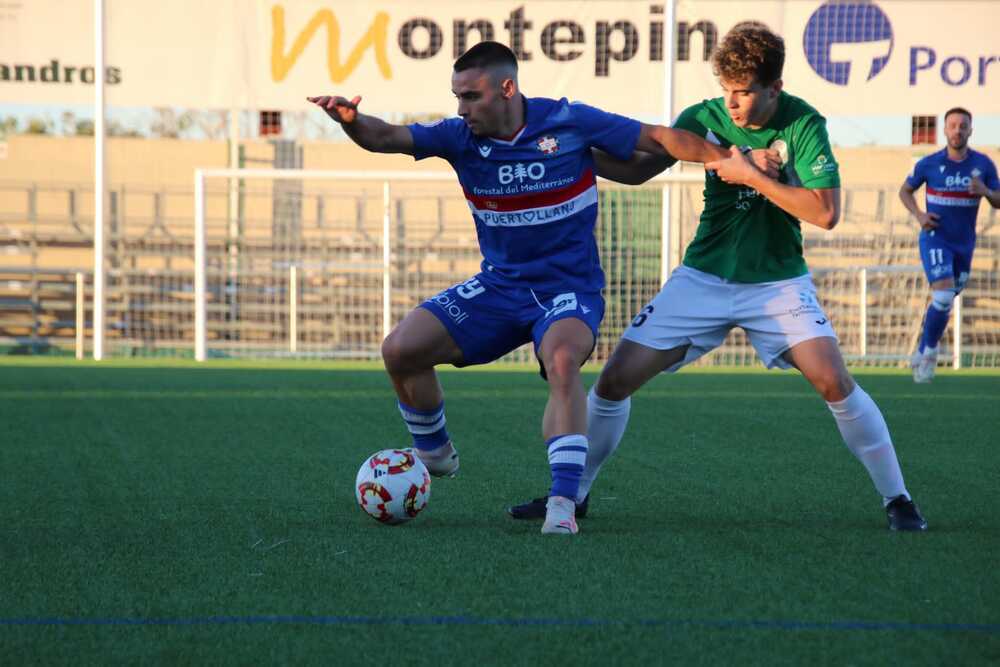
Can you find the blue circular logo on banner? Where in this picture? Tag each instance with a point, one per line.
(847, 23)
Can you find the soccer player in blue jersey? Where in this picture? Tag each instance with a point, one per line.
(955, 179)
(528, 172)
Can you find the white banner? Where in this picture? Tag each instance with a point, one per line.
(846, 58)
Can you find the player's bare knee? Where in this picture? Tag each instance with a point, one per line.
(390, 354)
(833, 385)
(395, 356)
(562, 366)
(611, 385)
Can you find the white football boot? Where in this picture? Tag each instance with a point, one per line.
(560, 516)
(924, 366)
(440, 462)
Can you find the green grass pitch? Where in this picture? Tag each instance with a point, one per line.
(173, 513)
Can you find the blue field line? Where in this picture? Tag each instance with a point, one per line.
(893, 626)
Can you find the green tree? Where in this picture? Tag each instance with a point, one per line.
(8, 126)
(170, 125)
(38, 126)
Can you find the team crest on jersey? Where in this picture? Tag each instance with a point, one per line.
(548, 145)
(976, 173)
(781, 147)
(485, 150)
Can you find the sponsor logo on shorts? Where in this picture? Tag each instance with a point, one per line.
(939, 270)
(807, 305)
(450, 306)
(562, 303)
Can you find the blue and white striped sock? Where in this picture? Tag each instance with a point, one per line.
(426, 426)
(567, 456)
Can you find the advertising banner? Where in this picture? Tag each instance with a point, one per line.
(847, 58)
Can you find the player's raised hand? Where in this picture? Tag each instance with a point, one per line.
(977, 187)
(340, 109)
(737, 168)
(928, 221)
(767, 160)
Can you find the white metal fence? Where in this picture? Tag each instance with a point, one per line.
(301, 264)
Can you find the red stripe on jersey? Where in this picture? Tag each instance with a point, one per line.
(955, 194)
(534, 199)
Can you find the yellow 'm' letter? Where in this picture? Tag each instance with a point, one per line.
(375, 37)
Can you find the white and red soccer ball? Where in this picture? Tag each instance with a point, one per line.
(392, 486)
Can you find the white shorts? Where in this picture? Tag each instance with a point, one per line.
(698, 309)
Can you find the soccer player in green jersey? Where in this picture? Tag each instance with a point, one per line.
(745, 269)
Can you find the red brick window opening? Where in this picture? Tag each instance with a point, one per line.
(924, 130)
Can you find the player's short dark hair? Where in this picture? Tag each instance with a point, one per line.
(487, 55)
(961, 110)
(750, 51)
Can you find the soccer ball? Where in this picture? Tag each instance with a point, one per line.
(392, 486)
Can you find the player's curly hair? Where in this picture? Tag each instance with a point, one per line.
(750, 51)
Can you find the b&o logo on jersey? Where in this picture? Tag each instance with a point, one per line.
(840, 32)
(508, 173)
(957, 180)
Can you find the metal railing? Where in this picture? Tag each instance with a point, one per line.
(305, 270)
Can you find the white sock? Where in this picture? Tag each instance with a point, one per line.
(865, 433)
(606, 422)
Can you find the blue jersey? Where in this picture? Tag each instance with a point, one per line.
(534, 197)
(948, 194)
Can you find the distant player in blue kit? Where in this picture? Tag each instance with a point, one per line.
(528, 171)
(955, 178)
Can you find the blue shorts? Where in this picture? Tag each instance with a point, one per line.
(942, 261)
(487, 321)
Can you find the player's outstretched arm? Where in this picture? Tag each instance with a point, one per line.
(678, 144)
(683, 145)
(370, 133)
(636, 170)
(820, 207)
(927, 220)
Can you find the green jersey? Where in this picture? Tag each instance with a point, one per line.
(742, 236)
